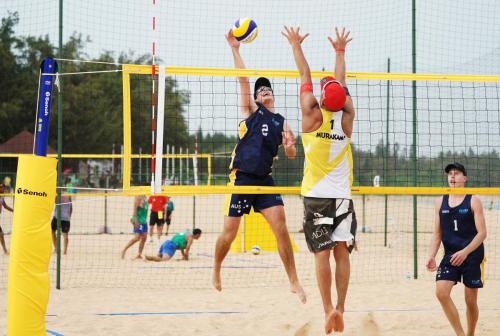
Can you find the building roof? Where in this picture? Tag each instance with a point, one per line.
(21, 143)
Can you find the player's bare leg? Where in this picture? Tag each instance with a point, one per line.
(275, 216)
(2, 242)
(324, 279)
(159, 230)
(129, 244)
(472, 310)
(342, 274)
(157, 258)
(151, 229)
(443, 291)
(65, 244)
(54, 241)
(231, 225)
(142, 241)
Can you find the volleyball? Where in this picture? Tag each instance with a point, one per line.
(245, 30)
(255, 250)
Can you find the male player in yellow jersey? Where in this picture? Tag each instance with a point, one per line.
(459, 224)
(329, 218)
(260, 134)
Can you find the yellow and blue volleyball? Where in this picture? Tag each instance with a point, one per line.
(245, 30)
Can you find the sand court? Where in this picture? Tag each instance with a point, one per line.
(104, 295)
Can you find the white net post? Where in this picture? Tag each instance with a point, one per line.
(195, 162)
(159, 131)
(173, 165)
(167, 163)
(180, 166)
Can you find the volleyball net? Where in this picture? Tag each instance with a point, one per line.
(399, 155)
(407, 127)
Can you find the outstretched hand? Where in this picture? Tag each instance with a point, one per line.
(341, 39)
(293, 35)
(231, 40)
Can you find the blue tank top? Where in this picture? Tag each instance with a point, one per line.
(259, 138)
(458, 227)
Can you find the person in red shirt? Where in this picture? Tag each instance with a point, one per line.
(157, 216)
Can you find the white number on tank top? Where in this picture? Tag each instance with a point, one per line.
(456, 224)
(265, 130)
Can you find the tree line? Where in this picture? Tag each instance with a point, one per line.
(93, 118)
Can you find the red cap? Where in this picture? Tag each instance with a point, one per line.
(332, 94)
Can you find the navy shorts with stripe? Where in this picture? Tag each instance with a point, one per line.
(470, 272)
(240, 204)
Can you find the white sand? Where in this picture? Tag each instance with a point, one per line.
(403, 308)
(95, 280)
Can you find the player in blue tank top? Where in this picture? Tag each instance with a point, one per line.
(460, 226)
(260, 134)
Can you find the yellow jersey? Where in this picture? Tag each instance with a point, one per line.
(328, 159)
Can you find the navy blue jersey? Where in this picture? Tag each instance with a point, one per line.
(259, 138)
(458, 227)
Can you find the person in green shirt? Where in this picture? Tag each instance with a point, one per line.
(180, 241)
(140, 222)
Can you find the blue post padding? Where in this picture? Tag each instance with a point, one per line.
(49, 68)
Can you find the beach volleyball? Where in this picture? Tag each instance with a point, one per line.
(245, 30)
(255, 250)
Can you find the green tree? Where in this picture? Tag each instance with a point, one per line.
(92, 103)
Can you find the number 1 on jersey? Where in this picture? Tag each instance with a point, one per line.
(331, 122)
(456, 224)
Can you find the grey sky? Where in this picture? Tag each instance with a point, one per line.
(461, 37)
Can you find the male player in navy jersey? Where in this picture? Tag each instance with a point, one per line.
(260, 134)
(460, 225)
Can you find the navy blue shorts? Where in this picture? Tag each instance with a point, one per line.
(65, 225)
(471, 272)
(239, 204)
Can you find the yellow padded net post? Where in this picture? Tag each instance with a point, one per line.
(256, 231)
(28, 282)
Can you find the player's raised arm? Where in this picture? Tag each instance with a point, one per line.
(339, 44)
(311, 114)
(247, 102)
